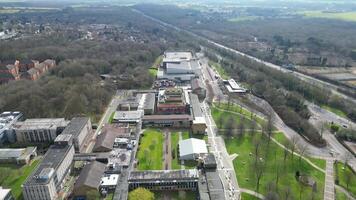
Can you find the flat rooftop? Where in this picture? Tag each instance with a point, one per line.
(75, 126)
(161, 175)
(52, 159)
(127, 115)
(195, 104)
(16, 153)
(177, 55)
(166, 117)
(40, 123)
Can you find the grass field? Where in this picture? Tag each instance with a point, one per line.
(14, 176)
(219, 69)
(221, 117)
(273, 162)
(150, 153)
(346, 16)
(111, 117)
(343, 174)
(334, 110)
(245, 196)
(279, 136)
(340, 196)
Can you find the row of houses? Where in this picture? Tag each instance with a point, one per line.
(24, 69)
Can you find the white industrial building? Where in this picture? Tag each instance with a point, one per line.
(234, 87)
(179, 66)
(192, 149)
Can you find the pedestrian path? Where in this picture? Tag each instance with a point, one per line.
(329, 189)
(253, 193)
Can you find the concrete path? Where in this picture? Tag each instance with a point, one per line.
(167, 164)
(253, 193)
(329, 189)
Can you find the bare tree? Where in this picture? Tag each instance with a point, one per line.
(293, 144)
(229, 127)
(259, 170)
(257, 146)
(253, 126)
(269, 126)
(228, 101)
(287, 193)
(285, 151)
(303, 149)
(241, 126)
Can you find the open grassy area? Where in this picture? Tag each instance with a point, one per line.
(346, 16)
(150, 153)
(340, 196)
(271, 161)
(175, 195)
(245, 196)
(334, 110)
(219, 69)
(345, 177)
(221, 117)
(12, 176)
(279, 136)
(111, 117)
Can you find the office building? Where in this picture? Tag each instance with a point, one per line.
(48, 178)
(41, 130)
(79, 128)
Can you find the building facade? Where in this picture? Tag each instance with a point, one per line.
(79, 128)
(39, 130)
(48, 178)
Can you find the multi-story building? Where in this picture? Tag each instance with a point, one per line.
(172, 101)
(48, 178)
(79, 128)
(7, 119)
(164, 179)
(39, 130)
(5, 194)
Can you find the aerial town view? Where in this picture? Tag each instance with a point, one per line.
(177, 100)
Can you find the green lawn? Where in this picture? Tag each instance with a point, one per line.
(273, 159)
(157, 62)
(279, 136)
(343, 175)
(245, 196)
(175, 195)
(335, 110)
(221, 71)
(340, 196)
(153, 72)
(174, 147)
(185, 135)
(150, 153)
(346, 16)
(221, 118)
(13, 176)
(109, 196)
(111, 117)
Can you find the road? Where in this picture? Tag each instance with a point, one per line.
(319, 118)
(105, 119)
(216, 143)
(325, 85)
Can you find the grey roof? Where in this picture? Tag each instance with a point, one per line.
(195, 104)
(40, 123)
(107, 137)
(163, 175)
(75, 126)
(150, 101)
(192, 146)
(52, 159)
(215, 185)
(17, 153)
(127, 115)
(90, 175)
(196, 84)
(209, 159)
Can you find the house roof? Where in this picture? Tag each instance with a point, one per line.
(192, 146)
(107, 137)
(90, 175)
